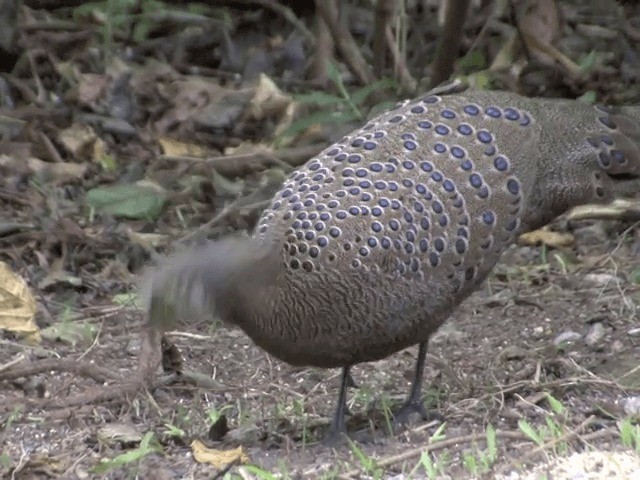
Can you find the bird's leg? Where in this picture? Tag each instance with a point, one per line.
(413, 403)
(337, 431)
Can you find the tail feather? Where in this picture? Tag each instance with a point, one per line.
(203, 281)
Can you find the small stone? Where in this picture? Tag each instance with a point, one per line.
(567, 337)
(595, 334)
(634, 332)
(538, 331)
(631, 406)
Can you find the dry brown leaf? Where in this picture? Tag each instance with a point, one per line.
(91, 89)
(17, 305)
(218, 458)
(77, 139)
(176, 148)
(57, 173)
(540, 26)
(547, 237)
(268, 100)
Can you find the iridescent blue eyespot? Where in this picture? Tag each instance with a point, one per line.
(471, 109)
(484, 136)
(417, 109)
(465, 129)
(437, 207)
(440, 148)
(424, 223)
(408, 165)
(513, 186)
(501, 164)
(426, 166)
(369, 145)
(410, 145)
(442, 130)
(376, 167)
(376, 211)
(493, 112)
(424, 124)
(511, 114)
(376, 226)
(436, 176)
(449, 114)
(457, 152)
(354, 158)
(466, 165)
(475, 180)
(448, 185)
(488, 218)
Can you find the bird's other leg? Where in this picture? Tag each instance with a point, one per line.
(337, 431)
(413, 403)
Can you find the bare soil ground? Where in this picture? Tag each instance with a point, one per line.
(125, 130)
(492, 363)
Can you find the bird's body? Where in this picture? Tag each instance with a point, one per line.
(368, 247)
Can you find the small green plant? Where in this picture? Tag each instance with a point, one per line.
(148, 445)
(553, 430)
(433, 467)
(214, 414)
(481, 461)
(336, 109)
(629, 434)
(369, 465)
(172, 431)
(261, 473)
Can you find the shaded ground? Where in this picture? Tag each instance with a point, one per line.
(492, 363)
(108, 158)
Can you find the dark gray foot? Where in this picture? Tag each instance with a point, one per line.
(334, 439)
(412, 411)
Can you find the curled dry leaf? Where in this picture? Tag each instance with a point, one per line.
(217, 458)
(17, 305)
(544, 236)
(176, 148)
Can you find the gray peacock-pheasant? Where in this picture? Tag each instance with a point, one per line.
(367, 248)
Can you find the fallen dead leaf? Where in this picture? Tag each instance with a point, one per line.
(17, 305)
(176, 148)
(217, 458)
(547, 237)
